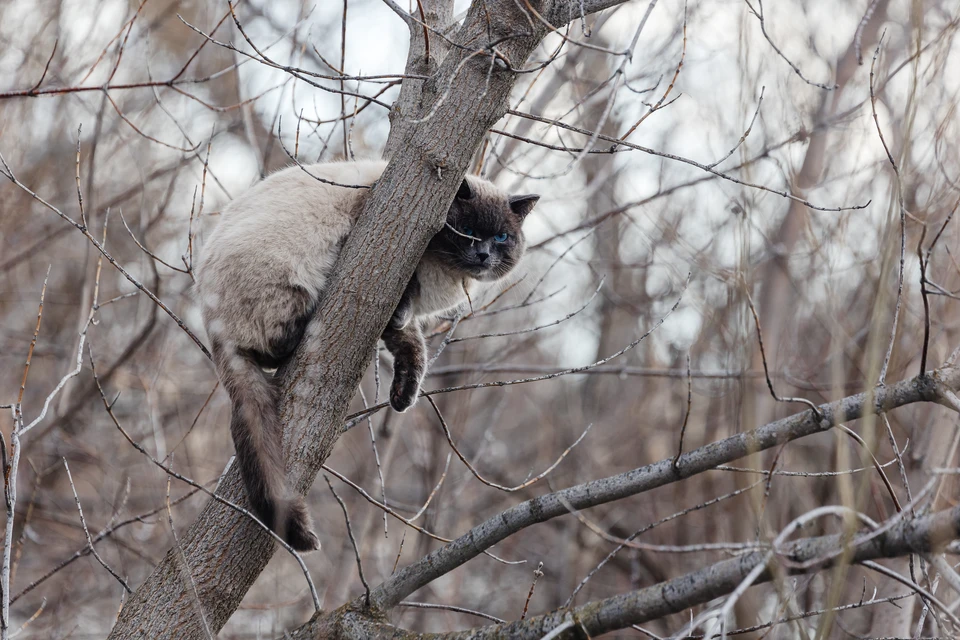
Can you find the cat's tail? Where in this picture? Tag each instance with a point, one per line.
(256, 431)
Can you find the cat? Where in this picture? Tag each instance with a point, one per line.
(268, 261)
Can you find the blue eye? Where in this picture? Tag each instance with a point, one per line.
(500, 237)
(467, 231)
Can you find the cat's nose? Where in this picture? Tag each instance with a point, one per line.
(482, 257)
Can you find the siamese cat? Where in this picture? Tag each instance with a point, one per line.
(266, 265)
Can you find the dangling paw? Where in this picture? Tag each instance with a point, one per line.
(404, 390)
(299, 530)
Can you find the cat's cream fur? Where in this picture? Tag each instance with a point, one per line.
(264, 268)
(286, 230)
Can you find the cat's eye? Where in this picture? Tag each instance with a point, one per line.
(467, 231)
(500, 237)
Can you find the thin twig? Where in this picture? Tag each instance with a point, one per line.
(86, 532)
(403, 537)
(926, 301)
(746, 133)
(449, 607)
(903, 217)
(686, 416)
(376, 457)
(796, 69)
(766, 369)
(476, 474)
(353, 540)
(186, 571)
(537, 574)
(876, 463)
(46, 67)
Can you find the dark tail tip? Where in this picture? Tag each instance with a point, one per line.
(298, 529)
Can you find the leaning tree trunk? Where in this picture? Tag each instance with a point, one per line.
(435, 131)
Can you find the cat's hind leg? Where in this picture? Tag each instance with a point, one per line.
(284, 325)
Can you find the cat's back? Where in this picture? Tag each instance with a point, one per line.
(296, 196)
(290, 223)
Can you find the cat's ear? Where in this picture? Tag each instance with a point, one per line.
(523, 205)
(465, 192)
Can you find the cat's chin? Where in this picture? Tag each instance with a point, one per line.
(482, 274)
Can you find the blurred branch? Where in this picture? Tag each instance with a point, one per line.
(86, 533)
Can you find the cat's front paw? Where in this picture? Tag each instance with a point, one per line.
(404, 390)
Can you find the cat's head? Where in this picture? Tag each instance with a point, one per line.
(483, 238)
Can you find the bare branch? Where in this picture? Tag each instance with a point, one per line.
(597, 492)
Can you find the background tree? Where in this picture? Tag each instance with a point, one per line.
(607, 445)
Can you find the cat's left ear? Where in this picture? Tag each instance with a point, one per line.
(465, 192)
(523, 205)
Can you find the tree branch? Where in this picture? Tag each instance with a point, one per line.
(920, 535)
(597, 492)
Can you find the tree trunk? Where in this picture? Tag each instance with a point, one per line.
(224, 551)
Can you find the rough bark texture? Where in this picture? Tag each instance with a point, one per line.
(224, 551)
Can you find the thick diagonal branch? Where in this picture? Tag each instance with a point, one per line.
(673, 596)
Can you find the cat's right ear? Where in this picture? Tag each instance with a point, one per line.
(465, 192)
(523, 205)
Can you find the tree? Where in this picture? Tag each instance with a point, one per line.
(460, 81)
